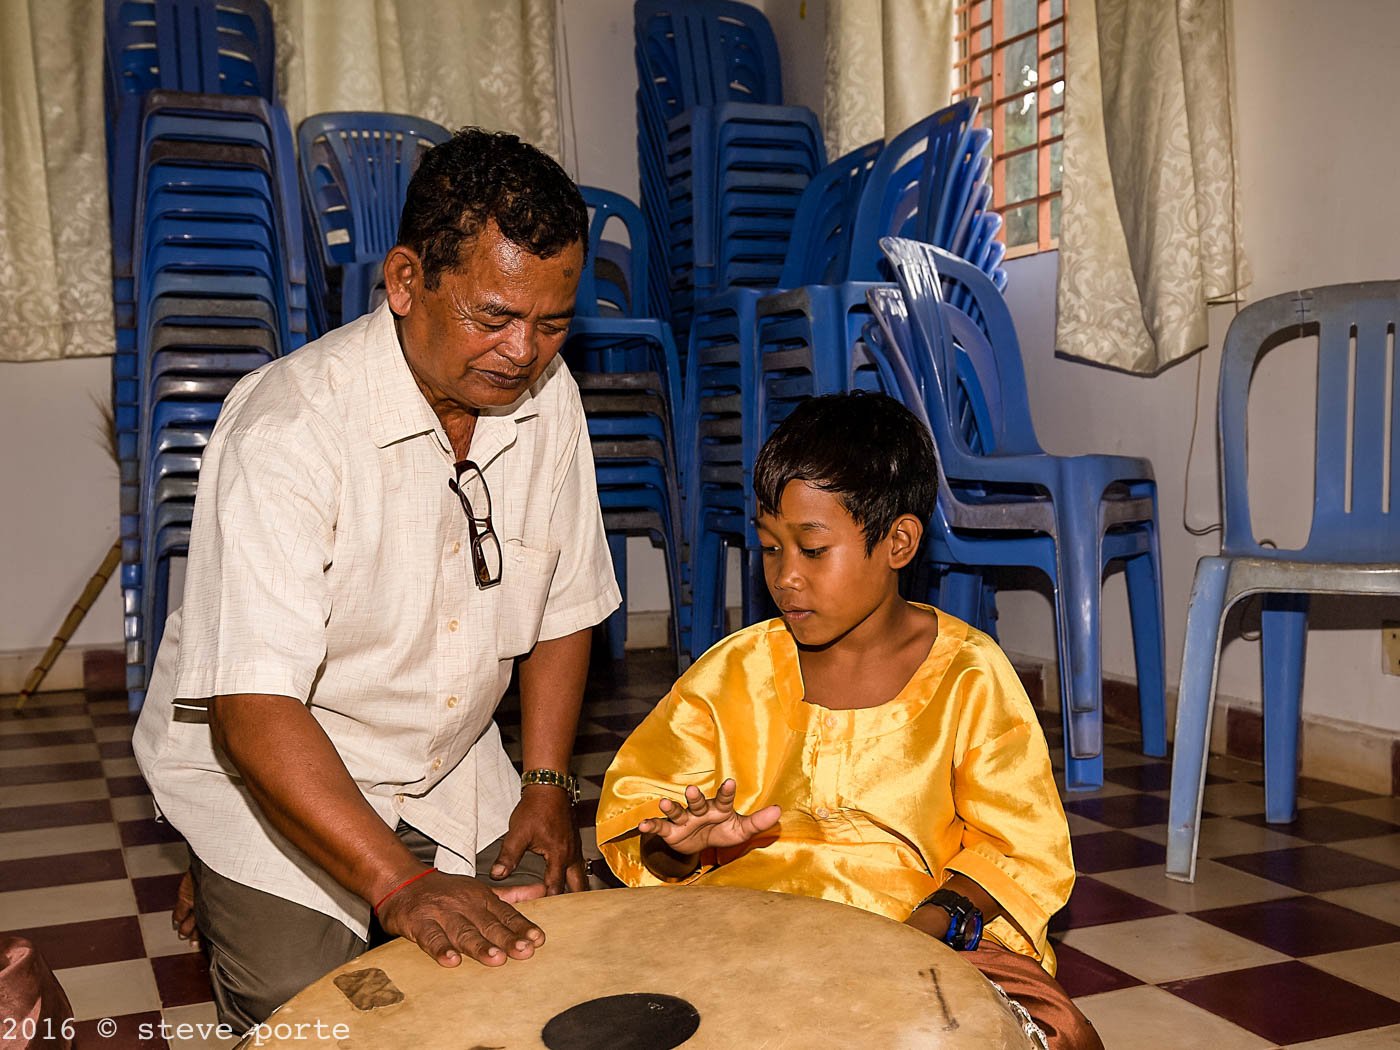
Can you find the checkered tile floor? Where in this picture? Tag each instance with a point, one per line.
(1289, 938)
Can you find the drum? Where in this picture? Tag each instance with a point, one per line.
(651, 969)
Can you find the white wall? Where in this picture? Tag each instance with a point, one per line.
(61, 501)
(1318, 150)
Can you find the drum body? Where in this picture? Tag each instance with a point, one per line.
(707, 968)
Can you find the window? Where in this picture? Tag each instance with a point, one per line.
(1011, 55)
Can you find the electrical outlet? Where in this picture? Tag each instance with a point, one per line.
(1390, 648)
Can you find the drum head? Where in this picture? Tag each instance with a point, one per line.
(652, 969)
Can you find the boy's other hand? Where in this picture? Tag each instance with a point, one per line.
(708, 822)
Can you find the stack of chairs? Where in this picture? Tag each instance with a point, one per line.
(209, 273)
(355, 170)
(625, 362)
(1003, 501)
(794, 340)
(722, 161)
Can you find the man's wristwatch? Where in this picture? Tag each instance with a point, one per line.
(964, 919)
(567, 781)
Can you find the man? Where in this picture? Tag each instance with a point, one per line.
(390, 520)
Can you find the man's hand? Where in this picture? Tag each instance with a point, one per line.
(182, 915)
(543, 823)
(708, 822)
(450, 916)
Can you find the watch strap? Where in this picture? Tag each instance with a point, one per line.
(964, 919)
(567, 782)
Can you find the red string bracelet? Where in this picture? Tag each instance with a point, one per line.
(406, 882)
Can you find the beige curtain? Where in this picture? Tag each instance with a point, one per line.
(1149, 229)
(55, 257)
(486, 62)
(888, 64)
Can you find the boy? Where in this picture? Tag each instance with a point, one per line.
(860, 748)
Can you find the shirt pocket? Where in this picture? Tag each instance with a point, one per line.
(526, 575)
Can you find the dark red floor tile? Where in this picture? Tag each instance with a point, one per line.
(65, 710)
(127, 1034)
(115, 749)
(106, 721)
(1313, 869)
(55, 814)
(1113, 850)
(182, 979)
(1081, 974)
(1093, 903)
(120, 787)
(34, 872)
(1327, 824)
(1121, 811)
(155, 892)
(1288, 1002)
(87, 943)
(148, 832)
(48, 738)
(1300, 926)
(1150, 776)
(1326, 791)
(54, 773)
(593, 743)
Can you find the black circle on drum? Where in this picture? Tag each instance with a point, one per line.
(636, 1021)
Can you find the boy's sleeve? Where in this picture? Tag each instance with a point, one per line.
(674, 747)
(1015, 842)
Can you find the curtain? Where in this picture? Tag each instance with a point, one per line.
(1149, 229)
(55, 256)
(486, 62)
(888, 64)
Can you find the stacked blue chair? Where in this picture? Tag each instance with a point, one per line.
(625, 363)
(1353, 544)
(355, 170)
(701, 161)
(1006, 502)
(209, 272)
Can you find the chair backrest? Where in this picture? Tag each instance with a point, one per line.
(1356, 469)
(355, 173)
(704, 53)
(219, 48)
(820, 250)
(906, 189)
(614, 279)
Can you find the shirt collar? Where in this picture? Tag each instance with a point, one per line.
(398, 409)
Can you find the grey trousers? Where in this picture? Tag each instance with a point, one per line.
(263, 950)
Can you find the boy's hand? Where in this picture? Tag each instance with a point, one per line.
(706, 822)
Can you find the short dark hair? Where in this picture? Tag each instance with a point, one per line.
(866, 449)
(476, 177)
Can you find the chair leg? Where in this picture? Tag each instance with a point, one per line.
(1194, 705)
(1078, 597)
(988, 607)
(617, 622)
(1285, 629)
(1145, 607)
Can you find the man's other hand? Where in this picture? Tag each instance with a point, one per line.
(544, 823)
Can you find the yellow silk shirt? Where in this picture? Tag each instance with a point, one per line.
(880, 805)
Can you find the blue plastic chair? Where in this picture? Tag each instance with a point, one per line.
(355, 170)
(1353, 545)
(1082, 513)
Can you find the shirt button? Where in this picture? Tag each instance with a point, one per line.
(456, 548)
(831, 721)
(437, 764)
(398, 799)
(452, 625)
(451, 701)
(822, 812)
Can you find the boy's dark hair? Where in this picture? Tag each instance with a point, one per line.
(867, 449)
(478, 176)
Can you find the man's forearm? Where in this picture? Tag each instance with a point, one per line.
(552, 678)
(300, 783)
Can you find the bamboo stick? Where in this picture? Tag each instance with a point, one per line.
(85, 601)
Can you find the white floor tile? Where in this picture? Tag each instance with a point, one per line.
(1143, 1017)
(1169, 948)
(110, 989)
